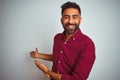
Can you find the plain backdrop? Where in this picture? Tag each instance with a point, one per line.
(27, 24)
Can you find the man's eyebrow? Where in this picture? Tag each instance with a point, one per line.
(65, 15)
(75, 15)
(72, 15)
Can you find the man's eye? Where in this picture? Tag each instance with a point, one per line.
(75, 17)
(65, 17)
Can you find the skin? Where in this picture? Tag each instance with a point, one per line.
(70, 20)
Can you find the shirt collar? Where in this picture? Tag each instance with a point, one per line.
(75, 35)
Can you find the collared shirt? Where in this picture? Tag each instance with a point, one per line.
(73, 58)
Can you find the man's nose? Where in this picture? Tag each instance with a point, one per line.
(71, 20)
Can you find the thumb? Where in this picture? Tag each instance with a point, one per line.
(36, 51)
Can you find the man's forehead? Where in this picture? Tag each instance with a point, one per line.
(71, 11)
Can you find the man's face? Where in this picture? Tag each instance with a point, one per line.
(70, 20)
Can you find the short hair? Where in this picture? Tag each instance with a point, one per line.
(70, 5)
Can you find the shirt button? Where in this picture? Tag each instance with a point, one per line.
(59, 62)
(65, 42)
(73, 38)
(58, 71)
(61, 51)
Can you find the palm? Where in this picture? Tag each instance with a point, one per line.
(41, 66)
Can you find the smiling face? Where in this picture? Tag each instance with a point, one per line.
(70, 20)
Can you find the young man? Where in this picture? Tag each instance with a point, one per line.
(73, 52)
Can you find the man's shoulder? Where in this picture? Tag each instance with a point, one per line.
(58, 35)
(87, 39)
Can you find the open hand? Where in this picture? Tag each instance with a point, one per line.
(41, 66)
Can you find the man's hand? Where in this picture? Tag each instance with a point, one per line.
(41, 66)
(34, 54)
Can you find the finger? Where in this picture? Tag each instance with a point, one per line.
(36, 62)
(31, 53)
(41, 66)
(36, 51)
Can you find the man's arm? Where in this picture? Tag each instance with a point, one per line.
(36, 54)
(82, 67)
(48, 73)
(54, 75)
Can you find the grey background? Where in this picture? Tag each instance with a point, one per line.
(27, 24)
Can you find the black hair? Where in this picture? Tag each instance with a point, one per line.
(70, 5)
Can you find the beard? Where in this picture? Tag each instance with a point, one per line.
(70, 28)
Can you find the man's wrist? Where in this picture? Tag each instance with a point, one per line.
(47, 74)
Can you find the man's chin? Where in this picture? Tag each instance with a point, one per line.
(70, 31)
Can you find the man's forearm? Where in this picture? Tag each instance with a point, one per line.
(49, 73)
(48, 57)
(54, 75)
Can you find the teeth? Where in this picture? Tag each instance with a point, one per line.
(70, 26)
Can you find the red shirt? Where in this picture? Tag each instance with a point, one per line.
(73, 58)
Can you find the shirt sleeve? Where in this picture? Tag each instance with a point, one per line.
(83, 65)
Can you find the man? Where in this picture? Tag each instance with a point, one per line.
(73, 52)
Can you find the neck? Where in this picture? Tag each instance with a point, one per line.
(68, 36)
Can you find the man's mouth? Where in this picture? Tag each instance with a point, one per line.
(71, 26)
